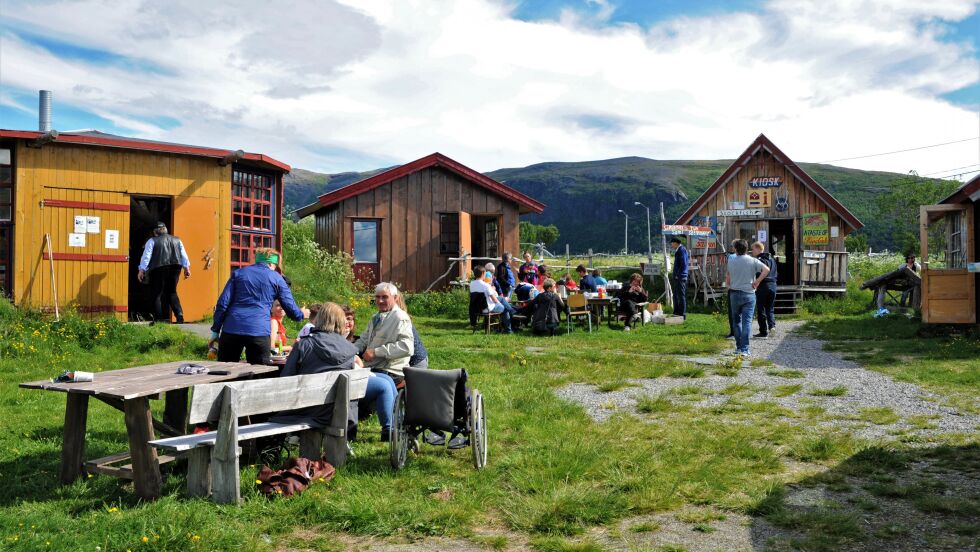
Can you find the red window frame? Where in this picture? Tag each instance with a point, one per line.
(253, 196)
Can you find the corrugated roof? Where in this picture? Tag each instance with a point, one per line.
(527, 204)
(96, 138)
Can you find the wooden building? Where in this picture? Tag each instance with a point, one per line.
(404, 225)
(97, 197)
(765, 196)
(950, 240)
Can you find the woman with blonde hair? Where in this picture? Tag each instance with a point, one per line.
(325, 349)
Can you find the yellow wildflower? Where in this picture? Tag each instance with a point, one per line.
(196, 538)
(145, 539)
(258, 482)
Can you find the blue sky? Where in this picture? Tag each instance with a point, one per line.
(355, 85)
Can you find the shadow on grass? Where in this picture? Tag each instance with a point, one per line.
(879, 498)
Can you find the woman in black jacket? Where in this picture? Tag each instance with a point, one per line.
(546, 307)
(630, 298)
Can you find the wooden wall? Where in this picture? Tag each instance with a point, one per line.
(801, 201)
(409, 210)
(202, 206)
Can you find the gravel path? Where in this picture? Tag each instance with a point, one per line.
(816, 370)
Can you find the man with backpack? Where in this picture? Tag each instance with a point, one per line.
(505, 276)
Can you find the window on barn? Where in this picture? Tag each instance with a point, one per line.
(6, 216)
(449, 234)
(252, 213)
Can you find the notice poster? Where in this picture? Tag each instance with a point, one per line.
(834, 231)
(81, 222)
(112, 239)
(92, 225)
(763, 235)
(816, 230)
(76, 240)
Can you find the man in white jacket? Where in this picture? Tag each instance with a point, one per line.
(387, 343)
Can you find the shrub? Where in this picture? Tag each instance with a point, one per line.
(449, 304)
(317, 275)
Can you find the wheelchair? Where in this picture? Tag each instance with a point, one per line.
(437, 400)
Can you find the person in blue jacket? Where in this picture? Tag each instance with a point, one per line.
(586, 281)
(505, 276)
(679, 277)
(241, 316)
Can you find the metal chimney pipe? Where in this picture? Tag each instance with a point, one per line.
(44, 111)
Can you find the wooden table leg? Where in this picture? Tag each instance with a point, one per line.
(73, 447)
(146, 467)
(175, 410)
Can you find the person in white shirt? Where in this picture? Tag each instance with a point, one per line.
(494, 303)
(163, 260)
(742, 281)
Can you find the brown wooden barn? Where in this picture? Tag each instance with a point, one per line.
(950, 241)
(765, 196)
(97, 197)
(405, 224)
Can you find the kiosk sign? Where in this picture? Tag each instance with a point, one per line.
(766, 182)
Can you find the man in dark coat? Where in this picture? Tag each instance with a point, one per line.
(163, 259)
(765, 294)
(679, 277)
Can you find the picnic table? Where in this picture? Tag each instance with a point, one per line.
(130, 391)
(607, 303)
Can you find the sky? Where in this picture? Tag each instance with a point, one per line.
(345, 85)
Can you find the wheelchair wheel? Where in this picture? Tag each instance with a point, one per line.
(478, 430)
(399, 437)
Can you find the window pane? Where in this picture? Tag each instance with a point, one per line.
(365, 241)
(4, 195)
(4, 212)
(4, 156)
(6, 175)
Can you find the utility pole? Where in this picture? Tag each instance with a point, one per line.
(649, 244)
(667, 291)
(626, 237)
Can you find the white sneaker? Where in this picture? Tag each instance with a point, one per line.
(626, 329)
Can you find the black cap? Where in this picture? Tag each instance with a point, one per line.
(160, 225)
(675, 239)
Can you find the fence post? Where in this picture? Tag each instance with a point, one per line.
(567, 255)
(590, 257)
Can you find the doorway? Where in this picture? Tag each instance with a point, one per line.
(485, 234)
(365, 248)
(783, 247)
(144, 213)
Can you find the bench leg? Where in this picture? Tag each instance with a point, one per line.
(199, 472)
(335, 438)
(73, 446)
(146, 467)
(311, 444)
(224, 455)
(175, 410)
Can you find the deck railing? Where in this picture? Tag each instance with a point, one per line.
(817, 268)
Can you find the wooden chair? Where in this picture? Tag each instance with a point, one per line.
(478, 308)
(578, 306)
(213, 456)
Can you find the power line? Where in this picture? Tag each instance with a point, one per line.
(903, 151)
(948, 170)
(957, 174)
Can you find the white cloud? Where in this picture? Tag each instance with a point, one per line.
(350, 85)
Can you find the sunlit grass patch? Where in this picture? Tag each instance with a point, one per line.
(786, 390)
(785, 373)
(835, 391)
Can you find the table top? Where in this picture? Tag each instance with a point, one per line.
(144, 381)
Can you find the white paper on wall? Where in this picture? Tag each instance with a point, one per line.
(76, 240)
(92, 225)
(81, 222)
(834, 231)
(112, 239)
(763, 235)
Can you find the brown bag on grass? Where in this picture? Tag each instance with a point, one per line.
(294, 477)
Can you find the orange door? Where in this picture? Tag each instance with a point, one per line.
(196, 224)
(465, 246)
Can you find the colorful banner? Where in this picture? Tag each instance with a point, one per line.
(681, 229)
(759, 198)
(816, 229)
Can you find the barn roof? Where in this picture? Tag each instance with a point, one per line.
(96, 138)
(970, 191)
(527, 204)
(764, 143)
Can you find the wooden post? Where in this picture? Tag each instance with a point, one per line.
(224, 456)
(73, 445)
(663, 238)
(567, 255)
(54, 287)
(590, 257)
(199, 472)
(335, 442)
(311, 444)
(146, 467)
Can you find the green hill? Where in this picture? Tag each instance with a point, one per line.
(583, 199)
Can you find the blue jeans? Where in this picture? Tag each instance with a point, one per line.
(506, 311)
(743, 306)
(381, 391)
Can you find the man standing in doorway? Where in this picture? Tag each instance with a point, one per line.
(679, 277)
(163, 259)
(742, 281)
(765, 294)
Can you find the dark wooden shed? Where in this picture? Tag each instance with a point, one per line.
(406, 224)
(764, 196)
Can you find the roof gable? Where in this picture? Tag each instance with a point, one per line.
(95, 138)
(743, 160)
(437, 159)
(967, 192)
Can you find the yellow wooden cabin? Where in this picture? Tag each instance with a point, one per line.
(81, 206)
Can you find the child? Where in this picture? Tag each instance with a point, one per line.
(305, 330)
(277, 331)
(599, 280)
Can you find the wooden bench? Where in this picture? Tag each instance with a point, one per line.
(213, 456)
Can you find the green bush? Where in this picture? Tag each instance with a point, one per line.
(448, 304)
(317, 275)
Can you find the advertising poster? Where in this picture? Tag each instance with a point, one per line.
(816, 229)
